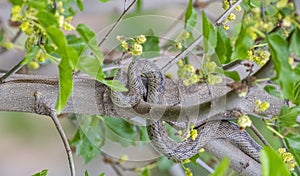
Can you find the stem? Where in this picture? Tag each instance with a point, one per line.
(198, 39)
(65, 141)
(259, 135)
(12, 71)
(275, 132)
(116, 23)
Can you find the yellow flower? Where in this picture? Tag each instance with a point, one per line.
(178, 45)
(261, 106)
(136, 49)
(185, 35)
(226, 27)
(33, 65)
(26, 27)
(281, 150)
(287, 158)
(194, 134)
(231, 17)
(188, 172)
(124, 45)
(16, 9)
(238, 8)
(140, 39)
(180, 63)
(201, 150)
(244, 121)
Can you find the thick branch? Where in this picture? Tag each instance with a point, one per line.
(91, 97)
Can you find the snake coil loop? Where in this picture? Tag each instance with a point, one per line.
(153, 92)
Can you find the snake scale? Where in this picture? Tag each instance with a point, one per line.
(152, 91)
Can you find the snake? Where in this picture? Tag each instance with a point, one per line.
(152, 91)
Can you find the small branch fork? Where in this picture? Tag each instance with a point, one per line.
(44, 108)
(117, 22)
(199, 39)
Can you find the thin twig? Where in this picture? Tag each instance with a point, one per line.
(13, 40)
(199, 38)
(65, 141)
(116, 23)
(12, 71)
(259, 135)
(205, 166)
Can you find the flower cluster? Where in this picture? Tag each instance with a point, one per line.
(287, 158)
(190, 75)
(260, 57)
(188, 172)
(259, 24)
(231, 17)
(261, 106)
(180, 39)
(193, 133)
(132, 46)
(26, 17)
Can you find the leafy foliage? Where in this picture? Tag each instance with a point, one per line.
(42, 173)
(272, 164)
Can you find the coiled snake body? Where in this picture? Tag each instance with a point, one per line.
(153, 92)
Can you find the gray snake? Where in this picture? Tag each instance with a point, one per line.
(152, 91)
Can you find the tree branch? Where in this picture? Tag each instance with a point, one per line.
(92, 97)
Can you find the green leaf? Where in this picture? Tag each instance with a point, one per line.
(146, 172)
(222, 168)
(273, 91)
(293, 142)
(272, 163)
(80, 5)
(91, 66)
(90, 39)
(121, 131)
(16, 2)
(288, 116)
(294, 44)
(164, 163)
(190, 19)
(104, 0)
(151, 46)
(223, 47)
(288, 79)
(30, 55)
(86, 173)
(209, 35)
(232, 74)
(46, 19)
(102, 174)
(143, 133)
(89, 138)
(42, 173)
(115, 85)
(40, 4)
(65, 84)
(242, 44)
(194, 158)
(138, 6)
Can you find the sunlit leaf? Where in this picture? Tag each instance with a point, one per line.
(89, 138)
(90, 39)
(294, 45)
(223, 47)
(222, 168)
(191, 15)
(272, 163)
(293, 143)
(42, 173)
(209, 35)
(288, 79)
